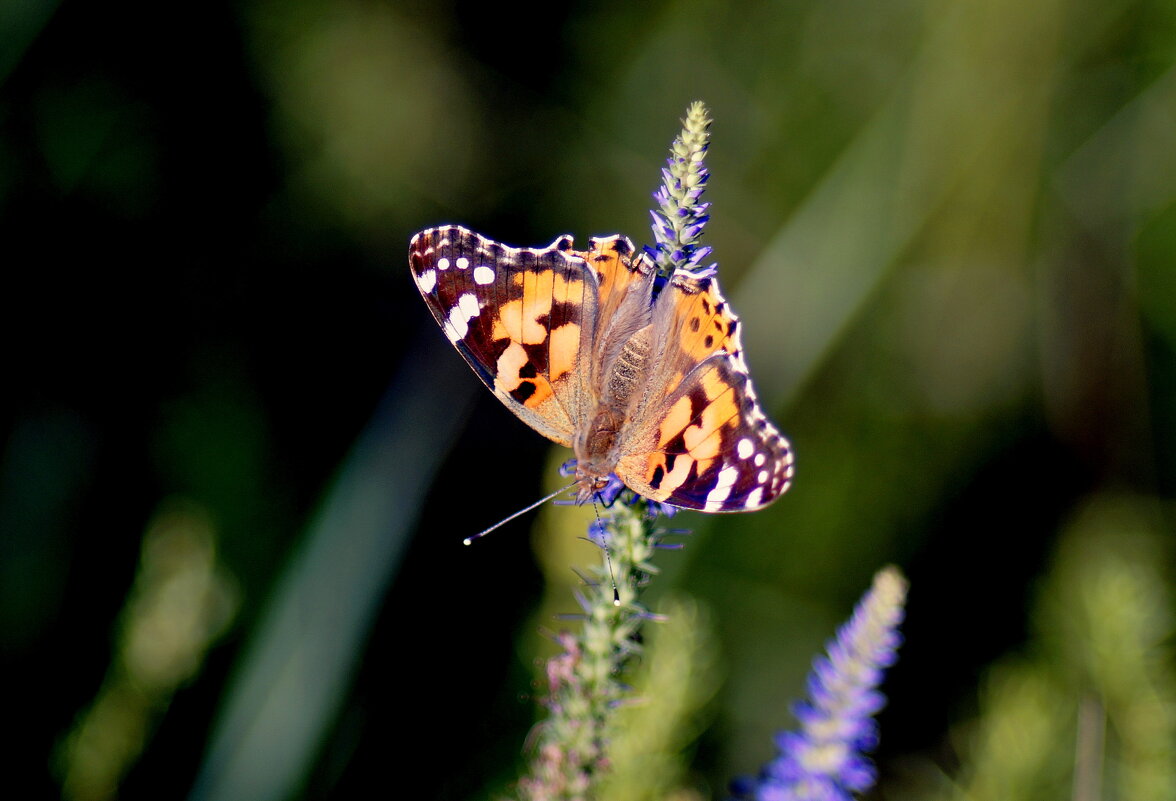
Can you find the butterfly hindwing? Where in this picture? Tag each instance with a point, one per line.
(713, 450)
(519, 316)
(707, 444)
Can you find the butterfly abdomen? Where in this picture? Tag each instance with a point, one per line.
(628, 371)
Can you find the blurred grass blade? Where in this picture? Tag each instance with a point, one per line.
(297, 669)
(823, 273)
(1126, 171)
(182, 600)
(955, 121)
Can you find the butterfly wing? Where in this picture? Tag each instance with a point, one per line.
(520, 317)
(703, 442)
(624, 283)
(622, 276)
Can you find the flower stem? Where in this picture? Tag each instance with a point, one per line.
(583, 686)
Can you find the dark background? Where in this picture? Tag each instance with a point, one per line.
(948, 229)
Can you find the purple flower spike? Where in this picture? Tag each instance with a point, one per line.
(827, 758)
(681, 217)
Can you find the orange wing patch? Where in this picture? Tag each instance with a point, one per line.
(612, 259)
(691, 437)
(564, 350)
(518, 377)
(703, 319)
(522, 319)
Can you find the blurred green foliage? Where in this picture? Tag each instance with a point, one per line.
(948, 228)
(180, 603)
(674, 682)
(1090, 711)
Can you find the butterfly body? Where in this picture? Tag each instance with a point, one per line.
(649, 385)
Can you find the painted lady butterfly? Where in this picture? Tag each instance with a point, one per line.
(649, 385)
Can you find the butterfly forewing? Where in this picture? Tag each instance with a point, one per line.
(517, 315)
(621, 276)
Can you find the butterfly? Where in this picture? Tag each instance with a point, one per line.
(643, 378)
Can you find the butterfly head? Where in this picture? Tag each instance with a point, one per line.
(590, 486)
(592, 481)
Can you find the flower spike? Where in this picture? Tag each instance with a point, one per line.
(680, 218)
(826, 760)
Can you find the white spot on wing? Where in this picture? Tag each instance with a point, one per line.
(469, 304)
(483, 274)
(760, 459)
(722, 489)
(745, 448)
(442, 263)
(458, 323)
(462, 262)
(427, 280)
(753, 498)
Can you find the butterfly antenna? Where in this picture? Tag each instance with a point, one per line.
(500, 523)
(607, 558)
